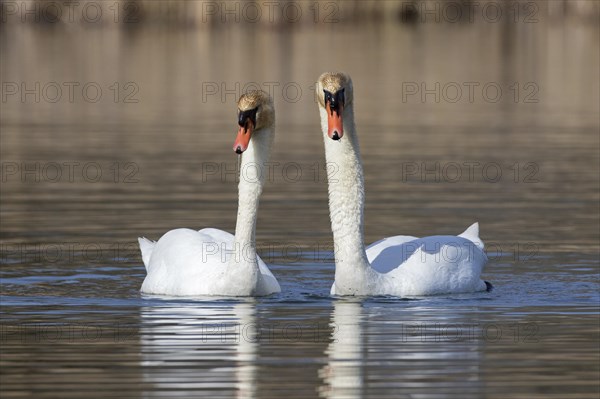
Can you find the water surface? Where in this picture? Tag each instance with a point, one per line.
(74, 323)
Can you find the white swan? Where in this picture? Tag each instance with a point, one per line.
(212, 261)
(401, 265)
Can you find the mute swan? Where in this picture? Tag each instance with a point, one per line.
(400, 265)
(212, 261)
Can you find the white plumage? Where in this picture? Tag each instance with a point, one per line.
(400, 265)
(185, 262)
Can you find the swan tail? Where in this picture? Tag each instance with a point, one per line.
(472, 234)
(146, 246)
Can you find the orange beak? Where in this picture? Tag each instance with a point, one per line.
(243, 137)
(335, 126)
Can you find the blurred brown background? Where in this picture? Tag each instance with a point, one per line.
(147, 89)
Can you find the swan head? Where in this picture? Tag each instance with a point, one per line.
(255, 113)
(334, 93)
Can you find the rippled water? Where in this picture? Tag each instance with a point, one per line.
(74, 323)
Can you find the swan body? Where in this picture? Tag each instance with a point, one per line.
(411, 266)
(185, 262)
(400, 265)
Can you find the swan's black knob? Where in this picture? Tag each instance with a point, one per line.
(238, 150)
(335, 136)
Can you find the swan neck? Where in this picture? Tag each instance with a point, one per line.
(251, 180)
(346, 202)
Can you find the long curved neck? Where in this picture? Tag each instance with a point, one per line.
(252, 176)
(346, 206)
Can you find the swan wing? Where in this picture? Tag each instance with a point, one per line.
(187, 262)
(146, 246)
(430, 265)
(218, 235)
(389, 253)
(472, 234)
(268, 283)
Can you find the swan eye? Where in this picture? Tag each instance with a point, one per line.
(327, 96)
(334, 100)
(243, 116)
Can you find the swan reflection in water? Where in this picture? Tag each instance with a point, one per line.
(405, 353)
(343, 375)
(200, 350)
